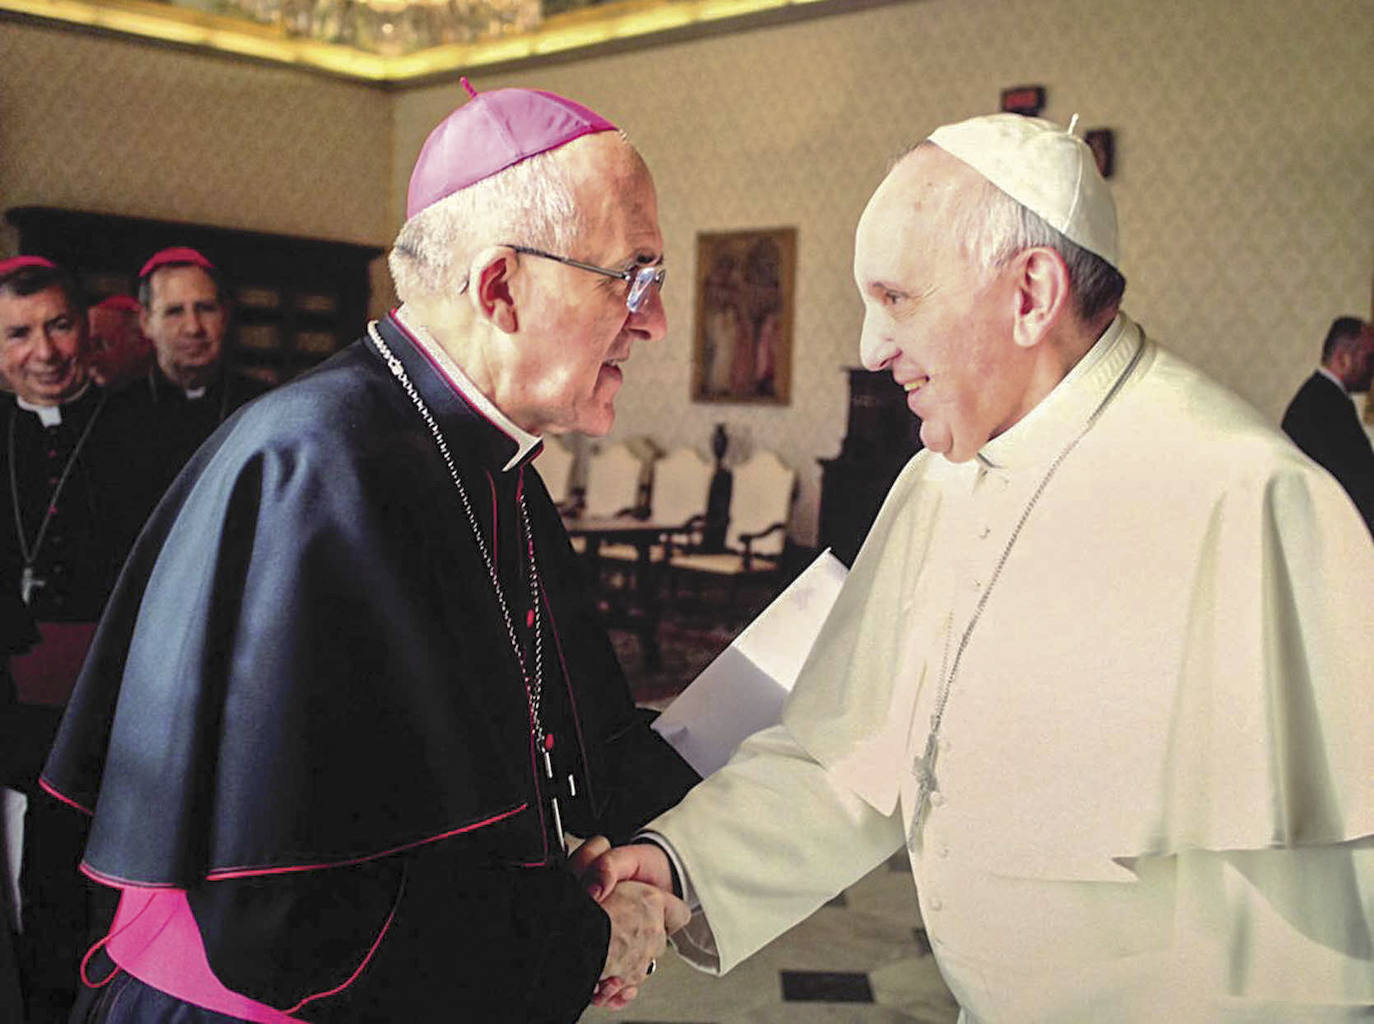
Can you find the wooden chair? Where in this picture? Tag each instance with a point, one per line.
(760, 509)
(681, 481)
(612, 482)
(555, 465)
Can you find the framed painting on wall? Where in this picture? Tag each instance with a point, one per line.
(745, 284)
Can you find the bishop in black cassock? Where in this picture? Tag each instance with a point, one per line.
(351, 693)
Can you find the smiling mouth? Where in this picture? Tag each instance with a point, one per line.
(917, 384)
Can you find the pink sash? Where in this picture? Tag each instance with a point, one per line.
(47, 673)
(155, 938)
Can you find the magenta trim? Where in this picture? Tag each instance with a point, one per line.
(447, 379)
(48, 788)
(568, 689)
(386, 926)
(115, 882)
(219, 876)
(495, 521)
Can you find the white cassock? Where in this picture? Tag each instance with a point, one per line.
(1155, 778)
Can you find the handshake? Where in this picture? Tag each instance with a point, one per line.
(634, 886)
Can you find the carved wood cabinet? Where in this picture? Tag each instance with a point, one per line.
(881, 435)
(295, 300)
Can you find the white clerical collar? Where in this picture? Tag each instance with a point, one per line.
(193, 393)
(524, 440)
(1043, 431)
(50, 415)
(1334, 380)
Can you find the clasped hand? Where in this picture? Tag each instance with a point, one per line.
(634, 886)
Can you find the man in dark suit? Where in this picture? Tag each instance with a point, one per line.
(1322, 419)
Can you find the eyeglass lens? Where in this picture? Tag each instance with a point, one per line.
(645, 278)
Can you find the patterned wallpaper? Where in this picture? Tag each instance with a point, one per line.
(1244, 156)
(127, 127)
(1245, 173)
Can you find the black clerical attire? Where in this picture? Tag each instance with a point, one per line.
(1322, 421)
(69, 522)
(304, 707)
(174, 422)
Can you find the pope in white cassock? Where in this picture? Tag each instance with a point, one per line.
(1104, 665)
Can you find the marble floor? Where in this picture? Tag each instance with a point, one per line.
(863, 958)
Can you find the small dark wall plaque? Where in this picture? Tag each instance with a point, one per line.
(1102, 141)
(1024, 99)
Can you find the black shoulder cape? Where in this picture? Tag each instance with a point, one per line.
(303, 665)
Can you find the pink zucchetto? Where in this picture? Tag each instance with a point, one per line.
(490, 132)
(17, 263)
(178, 254)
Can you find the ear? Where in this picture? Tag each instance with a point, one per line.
(1042, 294)
(143, 318)
(490, 274)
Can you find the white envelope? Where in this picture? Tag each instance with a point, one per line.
(743, 689)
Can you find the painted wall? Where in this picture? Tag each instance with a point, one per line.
(1245, 151)
(119, 126)
(1245, 156)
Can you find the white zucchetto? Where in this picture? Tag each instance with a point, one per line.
(1045, 168)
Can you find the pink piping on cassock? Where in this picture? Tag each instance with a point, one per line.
(115, 882)
(48, 788)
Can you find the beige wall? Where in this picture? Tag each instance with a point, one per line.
(125, 127)
(1245, 153)
(1245, 148)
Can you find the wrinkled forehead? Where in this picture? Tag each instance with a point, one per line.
(614, 191)
(36, 307)
(912, 209)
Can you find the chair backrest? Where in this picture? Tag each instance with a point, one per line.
(612, 481)
(760, 495)
(682, 482)
(555, 465)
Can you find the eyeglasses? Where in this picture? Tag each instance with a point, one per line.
(640, 279)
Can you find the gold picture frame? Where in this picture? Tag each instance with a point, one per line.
(745, 287)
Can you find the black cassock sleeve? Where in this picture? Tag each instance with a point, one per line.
(458, 941)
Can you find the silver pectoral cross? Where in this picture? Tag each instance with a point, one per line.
(924, 770)
(553, 800)
(29, 584)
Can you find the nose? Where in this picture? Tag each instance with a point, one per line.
(876, 347)
(651, 322)
(194, 323)
(45, 347)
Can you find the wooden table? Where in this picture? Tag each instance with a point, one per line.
(642, 611)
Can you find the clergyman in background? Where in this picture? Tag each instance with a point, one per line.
(1322, 419)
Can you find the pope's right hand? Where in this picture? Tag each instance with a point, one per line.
(638, 862)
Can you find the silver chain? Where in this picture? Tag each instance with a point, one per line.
(926, 763)
(534, 687)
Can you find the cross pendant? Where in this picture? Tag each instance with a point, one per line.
(924, 771)
(29, 583)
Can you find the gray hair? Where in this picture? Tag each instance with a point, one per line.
(996, 227)
(992, 227)
(531, 203)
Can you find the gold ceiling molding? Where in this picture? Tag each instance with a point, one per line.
(558, 35)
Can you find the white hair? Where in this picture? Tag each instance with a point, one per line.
(531, 203)
(991, 227)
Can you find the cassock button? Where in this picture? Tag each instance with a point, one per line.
(942, 852)
(983, 533)
(936, 903)
(937, 799)
(529, 619)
